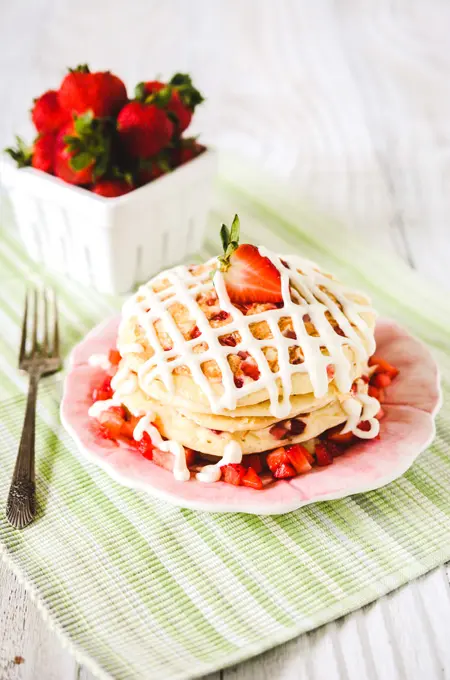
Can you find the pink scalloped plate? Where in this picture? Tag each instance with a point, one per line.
(407, 429)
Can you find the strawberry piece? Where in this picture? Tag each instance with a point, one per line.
(249, 367)
(76, 159)
(252, 277)
(336, 436)
(364, 425)
(253, 461)
(195, 332)
(243, 355)
(380, 415)
(102, 93)
(323, 454)
(44, 153)
(376, 392)
(114, 357)
(330, 371)
(296, 426)
(220, 316)
(146, 449)
(238, 382)
(111, 188)
(144, 129)
(191, 456)
(381, 380)
(279, 431)
(104, 391)
(284, 471)
(227, 340)
(112, 420)
(178, 97)
(383, 366)
(276, 458)
(292, 335)
(47, 114)
(233, 473)
(299, 458)
(252, 479)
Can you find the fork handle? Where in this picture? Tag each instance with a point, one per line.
(21, 503)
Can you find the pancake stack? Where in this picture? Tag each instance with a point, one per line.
(209, 370)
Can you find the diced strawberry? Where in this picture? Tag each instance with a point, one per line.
(233, 473)
(127, 430)
(215, 431)
(279, 431)
(276, 458)
(330, 371)
(112, 420)
(336, 436)
(376, 392)
(243, 355)
(220, 316)
(365, 379)
(383, 366)
(380, 415)
(284, 471)
(195, 332)
(238, 382)
(323, 455)
(145, 447)
(104, 391)
(253, 461)
(227, 340)
(114, 357)
(296, 426)
(381, 380)
(364, 425)
(191, 455)
(299, 458)
(250, 368)
(288, 333)
(252, 479)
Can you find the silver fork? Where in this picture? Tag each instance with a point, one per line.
(38, 356)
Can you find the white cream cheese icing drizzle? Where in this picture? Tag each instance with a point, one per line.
(314, 302)
(180, 469)
(212, 473)
(100, 360)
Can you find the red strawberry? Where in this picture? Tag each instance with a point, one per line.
(178, 97)
(284, 471)
(233, 473)
(111, 188)
(103, 391)
(253, 461)
(186, 151)
(114, 357)
(44, 153)
(323, 455)
(249, 277)
(276, 458)
(381, 380)
(47, 114)
(335, 435)
(249, 367)
(279, 431)
(382, 366)
(299, 458)
(252, 479)
(145, 447)
(144, 129)
(190, 455)
(102, 93)
(82, 152)
(112, 420)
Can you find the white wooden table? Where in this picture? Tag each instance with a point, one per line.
(350, 101)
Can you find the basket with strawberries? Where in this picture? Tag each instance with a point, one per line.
(91, 134)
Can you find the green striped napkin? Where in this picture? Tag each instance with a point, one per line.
(141, 589)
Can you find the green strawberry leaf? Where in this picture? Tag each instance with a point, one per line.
(80, 160)
(230, 242)
(140, 92)
(22, 155)
(82, 68)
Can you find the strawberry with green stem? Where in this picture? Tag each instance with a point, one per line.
(102, 93)
(249, 276)
(178, 97)
(83, 150)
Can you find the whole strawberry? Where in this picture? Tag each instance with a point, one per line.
(144, 129)
(47, 115)
(186, 150)
(178, 97)
(82, 151)
(102, 93)
(111, 188)
(44, 153)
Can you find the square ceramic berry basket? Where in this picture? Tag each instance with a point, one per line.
(112, 243)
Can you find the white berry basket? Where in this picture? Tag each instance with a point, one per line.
(112, 243)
